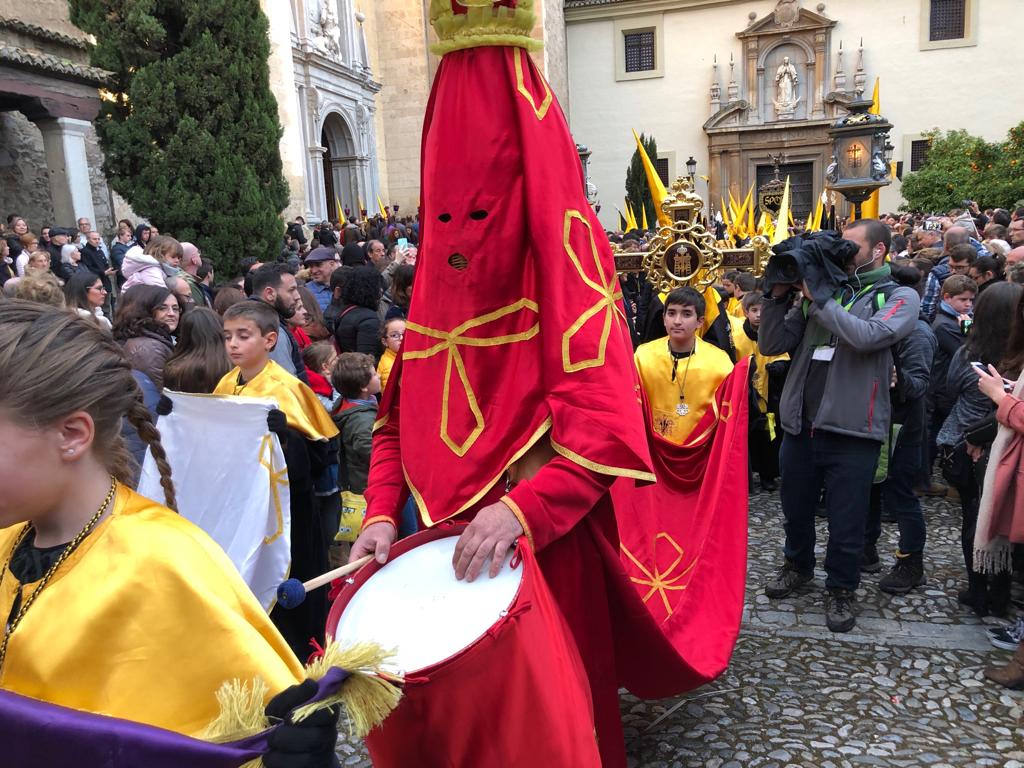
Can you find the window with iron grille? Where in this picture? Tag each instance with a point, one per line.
(919, 154)
(640, 51)
(661, 166)
(948, 20)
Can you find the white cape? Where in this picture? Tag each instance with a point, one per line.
(231, 480)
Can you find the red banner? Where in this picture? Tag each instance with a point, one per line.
(683, 551)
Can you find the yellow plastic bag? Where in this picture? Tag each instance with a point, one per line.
(353, 510)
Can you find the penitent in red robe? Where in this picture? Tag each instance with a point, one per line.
(516, 381)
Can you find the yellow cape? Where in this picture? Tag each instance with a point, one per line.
(708, 367)
(387, 362)
(298, 402)
(144, 621)
(746, 346)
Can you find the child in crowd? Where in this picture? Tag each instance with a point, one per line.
(161, 617)
(391, 337)
(358, 383)
(952, 321)
(680, 374)
(250, 334)
(767, 376)
(319, 359)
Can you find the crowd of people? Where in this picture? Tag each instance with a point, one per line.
(860, 391)
(863, 392)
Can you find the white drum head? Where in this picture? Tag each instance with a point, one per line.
(415, 605)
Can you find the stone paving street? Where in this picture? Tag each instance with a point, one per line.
(904, 688)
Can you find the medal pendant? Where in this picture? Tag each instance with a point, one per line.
(682, 409)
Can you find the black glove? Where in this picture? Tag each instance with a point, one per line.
(309, 744)
(164, 406)
(277, 422)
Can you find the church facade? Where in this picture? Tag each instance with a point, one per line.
(741, 85)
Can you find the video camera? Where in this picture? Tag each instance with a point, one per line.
(810, 255)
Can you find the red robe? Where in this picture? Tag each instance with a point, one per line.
(516, 379)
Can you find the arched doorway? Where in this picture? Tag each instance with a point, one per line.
(341, 183)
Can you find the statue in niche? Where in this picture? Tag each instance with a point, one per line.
(786, 81)
(832, 172)
(879, 170)
(326, 32)
(787, 12)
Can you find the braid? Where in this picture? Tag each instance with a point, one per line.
(139, 417)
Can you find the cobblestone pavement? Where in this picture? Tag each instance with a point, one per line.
(904, 688)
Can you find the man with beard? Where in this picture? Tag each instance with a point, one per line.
(273, 284)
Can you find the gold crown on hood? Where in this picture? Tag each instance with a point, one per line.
(461, 24)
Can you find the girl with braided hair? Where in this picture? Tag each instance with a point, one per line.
(113, 604)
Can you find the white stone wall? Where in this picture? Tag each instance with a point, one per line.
(964, 87)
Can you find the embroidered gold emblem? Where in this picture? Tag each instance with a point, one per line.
(449, 343)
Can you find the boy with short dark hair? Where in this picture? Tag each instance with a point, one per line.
(680, 373)
(305, 430)
(356, 379)
(952, 320)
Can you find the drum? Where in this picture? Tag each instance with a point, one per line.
(493, 677)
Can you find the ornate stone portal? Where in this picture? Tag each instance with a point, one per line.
(780, 104)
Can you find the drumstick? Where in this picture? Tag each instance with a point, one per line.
(292, 593)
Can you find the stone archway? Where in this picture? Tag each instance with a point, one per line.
(340, 166)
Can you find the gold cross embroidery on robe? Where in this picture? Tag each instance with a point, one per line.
(449, 343)
(606, 287)
(542, 110)
(278, 478)
(661, 582)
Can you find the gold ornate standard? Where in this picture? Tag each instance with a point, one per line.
(685, 253)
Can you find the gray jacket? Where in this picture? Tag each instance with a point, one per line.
(856, 398)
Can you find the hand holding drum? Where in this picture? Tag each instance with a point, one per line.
(492, 533)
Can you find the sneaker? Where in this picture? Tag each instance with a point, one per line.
(769, 485)
(869, 562)
(906, 573)
(839, 605)
(786, 581)
(1007, 637)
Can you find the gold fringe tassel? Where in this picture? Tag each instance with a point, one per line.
(367, 696)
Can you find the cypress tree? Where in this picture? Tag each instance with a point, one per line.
(190, 130)
(637, 190)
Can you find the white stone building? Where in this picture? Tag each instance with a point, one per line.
(700, 76)
(321, 76)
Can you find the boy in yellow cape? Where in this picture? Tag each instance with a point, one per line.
(304, 427)
(681, 373)
(767, 375)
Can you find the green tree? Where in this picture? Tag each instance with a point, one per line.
(637, 191)
(964, 167)
(190, 130)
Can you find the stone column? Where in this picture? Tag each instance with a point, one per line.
(64, 143)
(820, 74)
(319, 201)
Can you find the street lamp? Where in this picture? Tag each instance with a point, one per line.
(691, 167)
(861, 153)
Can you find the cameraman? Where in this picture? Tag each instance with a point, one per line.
(835, 410)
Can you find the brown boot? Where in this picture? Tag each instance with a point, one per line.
(1012, 675)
